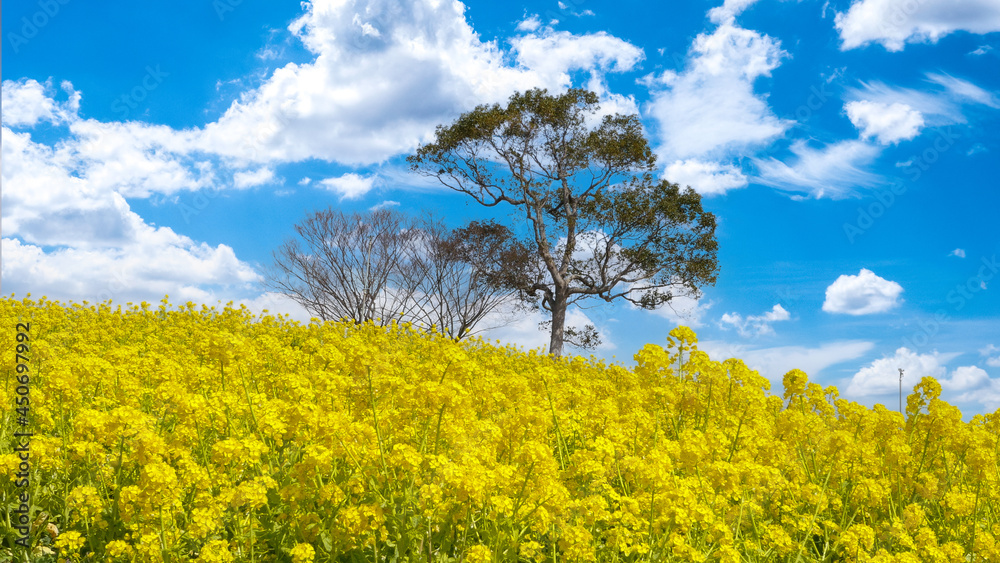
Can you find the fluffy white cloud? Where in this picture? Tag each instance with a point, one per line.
(156, 263)
(78, 239)
(350, 185)
(835, 171)
(893, 23)
(709, 111)
(755, 325)
(863, 294)
(711, 108)
(253, 178)
(963, 378)
(25, 102)
(552, 53)
(881, 377)
(729, 10)
(530, 23)
(707, 178)
(957, 252)
(889, 123)
(774, 363)
(135, 159)
(988, 395)
(53, 199)
(386, 73)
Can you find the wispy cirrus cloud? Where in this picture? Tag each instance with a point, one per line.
(836, 170)
(774, 362)
(942, 102)
(755, 325)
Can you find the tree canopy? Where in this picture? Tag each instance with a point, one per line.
(599, 223)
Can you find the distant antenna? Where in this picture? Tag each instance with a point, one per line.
(900, 390)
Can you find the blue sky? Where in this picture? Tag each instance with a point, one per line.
(848, 149)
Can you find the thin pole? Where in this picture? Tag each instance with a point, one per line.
(900, 390)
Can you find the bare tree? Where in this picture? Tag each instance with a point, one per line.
(384, 266)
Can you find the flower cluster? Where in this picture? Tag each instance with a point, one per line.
(199, 434)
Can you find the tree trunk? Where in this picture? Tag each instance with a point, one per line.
(559, 304)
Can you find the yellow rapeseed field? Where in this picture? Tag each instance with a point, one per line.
(197, 434)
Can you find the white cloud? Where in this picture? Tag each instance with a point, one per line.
(976, 149)
(957, 252)
(25, 102)
(965, 91)
(729, 10)
(134, 159)
(707, 178)
(530, 23)
(755, 325)
(277, 304)
(774, 363)
(524, 331)
(888, 123)
(964, 378)
(863, 294)
(988, 396)
(893, 23)
(57, 197)
(982, 50)
(71, 234)
(384, 204)
(710, 109)
(254, 178)
(155, 263)
(355, 103)
(992, 361)
(836, 170)
(940, 104)
(65, 204)
(881, 377)
(683, 310)
(553, 53)
(350, 185)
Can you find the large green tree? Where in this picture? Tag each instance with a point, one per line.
(601, 224)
